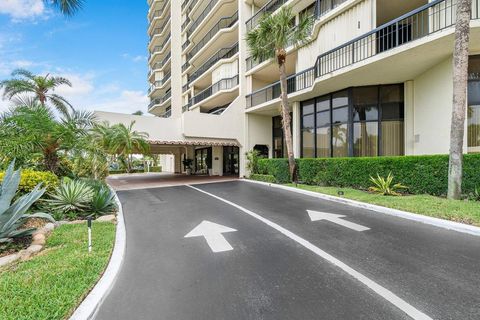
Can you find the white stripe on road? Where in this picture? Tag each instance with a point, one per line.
(381, 291)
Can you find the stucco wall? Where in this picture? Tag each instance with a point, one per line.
(342, 28)
(433, 92)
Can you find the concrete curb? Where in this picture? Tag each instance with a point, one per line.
(90, 305)
(445, 224)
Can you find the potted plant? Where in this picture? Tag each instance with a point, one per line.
(187, 163)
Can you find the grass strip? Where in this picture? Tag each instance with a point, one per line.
(463, 211)
(52, 284)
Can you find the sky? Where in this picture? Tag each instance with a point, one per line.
(102, 50)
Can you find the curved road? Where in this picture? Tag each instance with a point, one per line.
(236, 250)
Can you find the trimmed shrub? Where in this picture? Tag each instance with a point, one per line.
(421, 174)
(29, 179)
(263, 177)
(275, 167)
(156, 169)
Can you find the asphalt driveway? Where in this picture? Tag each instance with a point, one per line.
(236, 250)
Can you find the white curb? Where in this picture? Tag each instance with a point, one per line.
(445, 224)
(95, 298)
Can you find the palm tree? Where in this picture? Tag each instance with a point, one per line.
(460, 82)
(125, 142)
(67, 7)
(34, 129)
(270, 40)
(41, 87)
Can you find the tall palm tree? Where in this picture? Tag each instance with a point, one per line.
(460, 82)
(66, 7)
(41, 87)
(125, 142)
(269, 40)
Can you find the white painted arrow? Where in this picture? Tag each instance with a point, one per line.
(212, 232)
(335, 218)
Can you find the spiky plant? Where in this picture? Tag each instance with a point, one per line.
(71, 196)
(385, 186)
(13, 216)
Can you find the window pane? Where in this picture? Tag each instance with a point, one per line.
(474, 68)
(323, 142)
(340, 140)
(365, 143)
(473, 130)
(323, 103)
(393, 138)
(309, 121)
(323, 119)
(308, 107)
(365, 104)
(340, 115)
(340, 99)
(308, 143)
(392, 102)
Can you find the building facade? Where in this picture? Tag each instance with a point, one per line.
(375, 80)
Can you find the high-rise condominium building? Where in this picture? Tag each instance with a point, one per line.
(376, 80)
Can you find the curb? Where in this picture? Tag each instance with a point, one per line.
(440, 223)
(90, 305)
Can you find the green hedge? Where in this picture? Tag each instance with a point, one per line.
(156, 169)
(29, 179)
(124, 171)
(263, 177)
(422, 174)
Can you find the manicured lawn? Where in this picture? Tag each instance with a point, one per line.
(461, 211)
(52, 284)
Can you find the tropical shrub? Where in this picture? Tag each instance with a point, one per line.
(71, 196)
(103, 201)
(29, 179)
(263, 177)
(13, 216)
(385, 186)
(422, 174)
(252, 161)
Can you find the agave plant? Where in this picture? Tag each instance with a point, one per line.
(13, 216)
(103, 201)
(71, 196)
(385, 186)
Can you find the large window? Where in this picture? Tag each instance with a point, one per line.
(360, 122)
(279, 145)
(473, 115)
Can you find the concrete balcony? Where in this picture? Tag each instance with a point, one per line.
(158, 53)
(159, 67)
(220, 93)
(160, 85)
(156, 9)
(160, 34)
(395, 52)
(159, 106)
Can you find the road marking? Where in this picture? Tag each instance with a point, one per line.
(212, 232)
(335, 218)
(381, 291)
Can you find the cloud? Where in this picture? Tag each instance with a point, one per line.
(82, 85)
(129, 101)
(22, 9)
(138, 58)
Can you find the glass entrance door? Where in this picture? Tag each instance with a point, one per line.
(231, 156)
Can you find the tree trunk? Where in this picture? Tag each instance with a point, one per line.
(460, 81)
(285, 111)
(50, 160)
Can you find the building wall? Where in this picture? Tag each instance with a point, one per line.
(433, 92)
(340, 29)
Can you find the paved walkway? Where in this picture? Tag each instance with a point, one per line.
(157, 180)
(242, 251)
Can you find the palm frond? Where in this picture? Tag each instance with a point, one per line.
(60, 103)
(67, 7)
